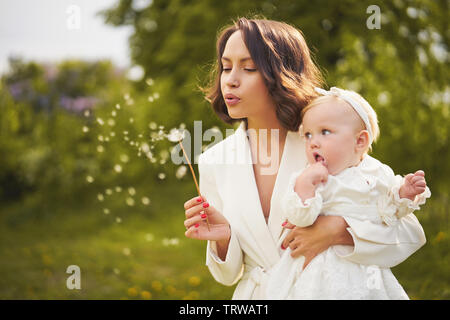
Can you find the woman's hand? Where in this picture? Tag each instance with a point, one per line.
(196, 211)
(323, 233)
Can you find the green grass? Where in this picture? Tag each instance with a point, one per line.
(132, 260)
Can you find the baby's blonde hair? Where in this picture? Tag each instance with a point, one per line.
(373, 119)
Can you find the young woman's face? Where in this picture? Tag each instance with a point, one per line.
(330, 129)
(242, 85)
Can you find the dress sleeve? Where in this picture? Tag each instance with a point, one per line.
(228, 271)
(297, 212)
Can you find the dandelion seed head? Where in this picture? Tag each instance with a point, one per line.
(108, 192)
(124, 158)
(161, 175)
(149, 237)
(89, 179)
(106, 211)
(100, 121)
(100, 197)
(117, 106)
(118, 189)
(85, 129)
(149, 81)
(118, 168)
(152, 125)
(118, 219)
(131, 191)
(126, 251)
(176, 135)
(111, 122)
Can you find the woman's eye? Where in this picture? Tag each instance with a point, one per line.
(226, 69)
(250, 70)
(326, 132)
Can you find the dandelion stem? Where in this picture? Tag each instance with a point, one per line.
(195, 179)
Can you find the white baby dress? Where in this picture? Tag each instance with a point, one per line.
(369, 191)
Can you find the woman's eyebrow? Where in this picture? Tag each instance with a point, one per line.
(241, 60)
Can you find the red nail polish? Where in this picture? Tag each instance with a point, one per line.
(205, 205)
(203, 216)
(199, 199)
(284, 223)
(197, 225)
(283, 247)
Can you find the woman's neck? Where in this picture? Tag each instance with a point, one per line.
(267, 138)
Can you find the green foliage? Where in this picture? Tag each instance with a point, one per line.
(401, 68)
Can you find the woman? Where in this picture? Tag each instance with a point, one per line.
(265, 77)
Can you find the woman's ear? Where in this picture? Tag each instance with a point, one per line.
(362, 141)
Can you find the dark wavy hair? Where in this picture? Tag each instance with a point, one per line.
(282, 56)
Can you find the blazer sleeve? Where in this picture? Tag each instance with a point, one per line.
(229, 271)
(384, 245)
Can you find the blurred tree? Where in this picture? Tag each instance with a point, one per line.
(401, 68)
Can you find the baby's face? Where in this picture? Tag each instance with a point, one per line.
(330, 131)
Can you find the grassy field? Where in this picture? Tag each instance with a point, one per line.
(134, 254)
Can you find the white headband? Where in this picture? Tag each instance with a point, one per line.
(355, 105)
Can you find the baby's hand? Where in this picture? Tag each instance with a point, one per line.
(314, 174)
(414, 184)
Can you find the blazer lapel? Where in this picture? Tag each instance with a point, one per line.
(250, 204)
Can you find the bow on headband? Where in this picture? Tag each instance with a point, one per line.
(337, 92)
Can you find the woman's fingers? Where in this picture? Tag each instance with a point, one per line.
(192, 202)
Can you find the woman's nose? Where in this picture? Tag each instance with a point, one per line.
(232, 80)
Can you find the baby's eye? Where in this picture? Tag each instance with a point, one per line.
(308, 135)
(326, 132)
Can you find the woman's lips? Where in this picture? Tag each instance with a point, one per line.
(231, 99)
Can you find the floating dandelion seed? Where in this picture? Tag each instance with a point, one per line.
(111, 122)
(100, 121)
(152, 125)
(181, 172)
(106, 211)
(100, 197)
(124, 158)
(149, 237)
(117, 106)
(126, 251)
(118, 220)
(131, 120)
(118, 189)
(149, 82)
(86, 113)
(145, 201)
(85, 129)
(100, 149)
(118, 168)
(151, 99)
(112, 134)
(130, 201)
(108, 192)
(106, 139)
(89, 179)
(162, 176)
(113, 113)
(131, 191)
(100, 138)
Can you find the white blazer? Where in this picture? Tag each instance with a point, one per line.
(228, 183)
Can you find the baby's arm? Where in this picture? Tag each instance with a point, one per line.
(301, 204)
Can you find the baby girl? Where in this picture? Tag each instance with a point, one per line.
(342, 179)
